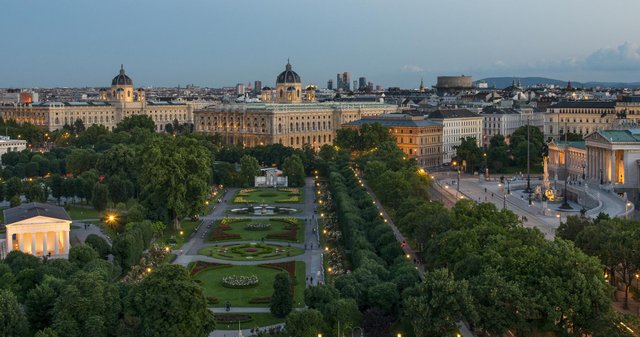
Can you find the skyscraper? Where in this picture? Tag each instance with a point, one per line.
(330, 85)
(362, 83)
(346, 81)
(257, 86)
(339, 84)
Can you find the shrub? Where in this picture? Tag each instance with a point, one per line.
(240, 281)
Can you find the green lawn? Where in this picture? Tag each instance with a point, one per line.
(240, 253)
(212, 285)
(259, 320)
(238, 228)
(268, 196)
(79, 213)
(172, 236)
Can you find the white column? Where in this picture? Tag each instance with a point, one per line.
(613, 166)
(56, 243)
(44, 243)
(66, 242)
(33, 243)
(21, 241)
(9, 242)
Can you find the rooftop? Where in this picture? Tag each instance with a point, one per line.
(621, 136)
(395, 120)
(584, 105)
(453, 113)
(33, 209)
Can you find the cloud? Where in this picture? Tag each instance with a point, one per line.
(412, 69)
(624, 57)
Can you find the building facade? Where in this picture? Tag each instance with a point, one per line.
(416, 136)
(37, 229)
(573, 154)
(287, 115)
(613, 157)
(115, 103)
(457, 124)
(11, 145)
(581, 117)
(505, 122)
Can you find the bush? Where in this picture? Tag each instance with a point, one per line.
(99, 244)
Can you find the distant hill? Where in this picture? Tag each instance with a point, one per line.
(503, 82)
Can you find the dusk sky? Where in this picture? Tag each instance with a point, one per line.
(393, 43)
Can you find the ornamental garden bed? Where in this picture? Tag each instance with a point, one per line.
(199, 266)
(268, 196)
(210, 279)
(238, 229)
(250, 251)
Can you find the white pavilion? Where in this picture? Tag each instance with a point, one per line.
(38, 229)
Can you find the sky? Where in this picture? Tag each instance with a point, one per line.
(215, 43)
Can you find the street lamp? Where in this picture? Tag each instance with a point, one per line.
(626, 210)
(458, 179)
(559, 219)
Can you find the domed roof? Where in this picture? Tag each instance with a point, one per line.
(122, 79)
(288, 76)
(266, 89)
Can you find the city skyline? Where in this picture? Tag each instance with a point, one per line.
(76, 44)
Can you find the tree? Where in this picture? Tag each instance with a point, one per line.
(518, 146)
(99, 244)
(304, 323)
(100, 196)
(120, 189)
(39, 306)
(136, 213)
(294, 170)
(168, 303)
(438, 304)
(81, 160)
(376, 324)
(120, 160)
(175, 177)
(46, 332)
(317, 297)
(468, 154)
(384, 296)
(15, 201)
(35, 191)
(78, 126)
(55, 184)
(498, 154)
(249, 169)
(82, 254)
(282, 299)
(570, 229)
(12, 319)
(343, 310)
(136, 121)
(14, 187)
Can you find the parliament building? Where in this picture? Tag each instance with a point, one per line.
(114, 104)
(286, 115)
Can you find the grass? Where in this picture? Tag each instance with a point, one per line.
(237, 252)
(238, 228)
(259, 320)
(171, 235)
(267, 196)
(212, 285)
(79, 213)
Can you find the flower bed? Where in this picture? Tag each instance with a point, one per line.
(199, 266)
(258, 227)
(240, 281)
(291, 233)
(260, 300)
(232, 318)
(212, 300)
(289, 267)
(219, 235)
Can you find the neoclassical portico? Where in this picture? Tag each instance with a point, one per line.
(612, 157)
(38, 229)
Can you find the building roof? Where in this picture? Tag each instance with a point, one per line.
(33, 209)
(122, 78)
(495, 111)
(288, 76)
(621, 136)
(394, 120)
(584, 105)
(575, 144)
(453, 113)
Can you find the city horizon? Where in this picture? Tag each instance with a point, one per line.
(190, 43)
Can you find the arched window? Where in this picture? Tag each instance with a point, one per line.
(281, 93)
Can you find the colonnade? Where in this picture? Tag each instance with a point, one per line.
(41, 243)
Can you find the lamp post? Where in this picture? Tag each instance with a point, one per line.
(626, 210)
(565, 197)
(508, 186)
(504, 196)
(356, 328)
(458, 179)
(528, 189)
(559, 219)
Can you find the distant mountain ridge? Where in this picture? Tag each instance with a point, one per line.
(503, 82)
